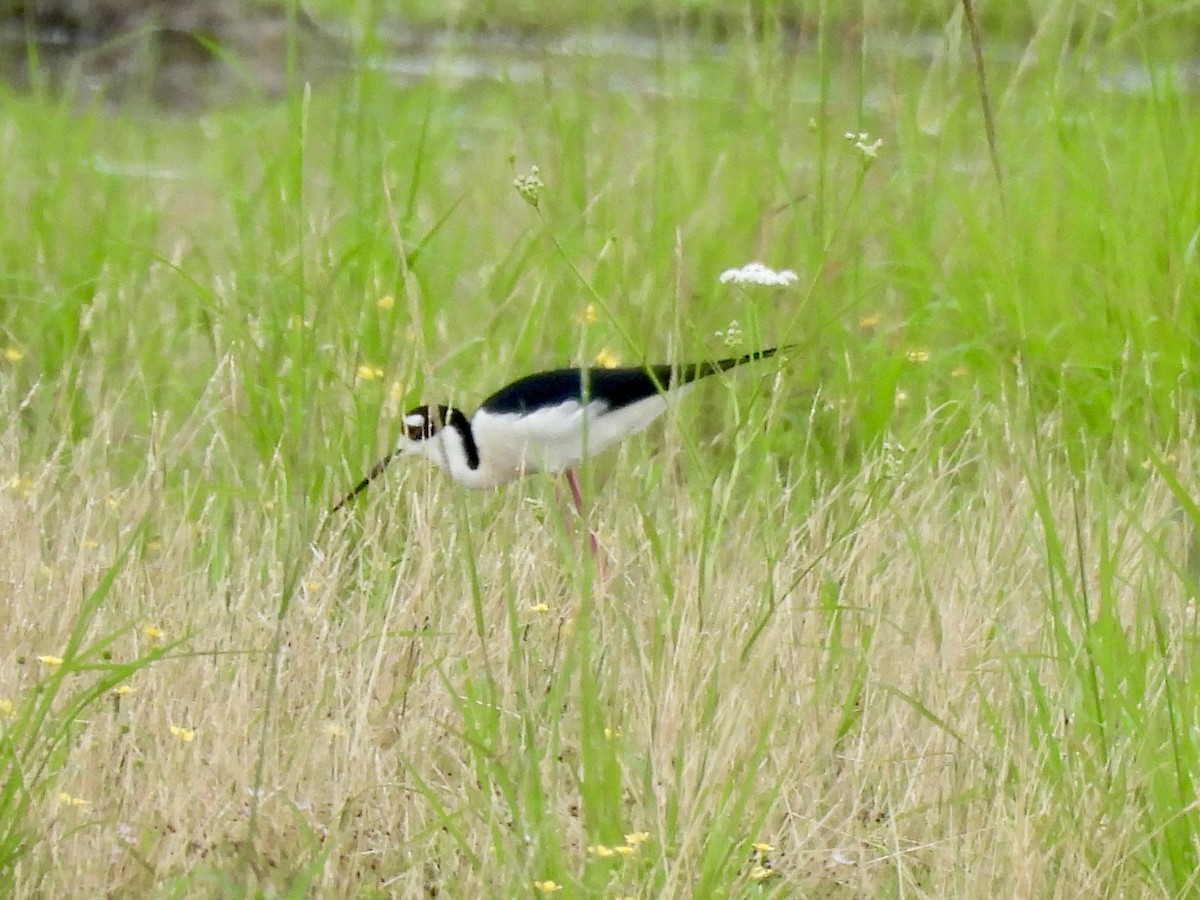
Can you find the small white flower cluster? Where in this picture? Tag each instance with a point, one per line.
(863, 144)
(757, 273)
(529, 186)
(732, 335)
(894, 454)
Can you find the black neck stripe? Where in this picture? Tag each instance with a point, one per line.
(457, 420)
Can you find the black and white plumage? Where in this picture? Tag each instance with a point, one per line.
(545, 422)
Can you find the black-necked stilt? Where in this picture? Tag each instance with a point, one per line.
(545, 422)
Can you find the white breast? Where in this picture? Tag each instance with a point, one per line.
(556, 438)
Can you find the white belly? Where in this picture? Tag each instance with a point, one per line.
(557, 438)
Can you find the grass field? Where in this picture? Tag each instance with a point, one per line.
(909, 612)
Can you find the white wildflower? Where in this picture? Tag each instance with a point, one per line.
(732, 336)
(530, 186)
(863, 144)
(757, 273)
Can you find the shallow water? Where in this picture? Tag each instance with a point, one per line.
(178, 71)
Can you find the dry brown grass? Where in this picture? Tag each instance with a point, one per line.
(854, 680)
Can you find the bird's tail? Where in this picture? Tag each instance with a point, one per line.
(695, 371)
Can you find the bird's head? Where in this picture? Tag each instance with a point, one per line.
(423, 432)
(440, 434)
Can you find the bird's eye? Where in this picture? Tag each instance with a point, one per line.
(422, 423)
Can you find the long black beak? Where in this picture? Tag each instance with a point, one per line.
(375, 472)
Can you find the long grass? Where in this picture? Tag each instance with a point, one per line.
(908, 611)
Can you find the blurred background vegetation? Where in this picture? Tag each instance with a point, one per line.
(185, 53)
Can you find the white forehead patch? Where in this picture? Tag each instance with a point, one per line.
(414, 420)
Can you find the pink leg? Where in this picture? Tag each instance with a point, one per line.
(577, 495)
(573, 481)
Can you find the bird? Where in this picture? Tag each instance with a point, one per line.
(549, 421)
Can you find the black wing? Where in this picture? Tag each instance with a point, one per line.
(613, 387)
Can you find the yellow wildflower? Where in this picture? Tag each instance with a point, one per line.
(918, 356)
(540, 608)
(602, 851)
(14, 354)
(548, 886)
(155, 634)
(387, 301)
(184, 734)
(52, 662)
(369, 373)
(589, 315)
(637, 837)
(626, 849)
(606, 359)
(122, 689)
(761, 857)
(70, 800)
